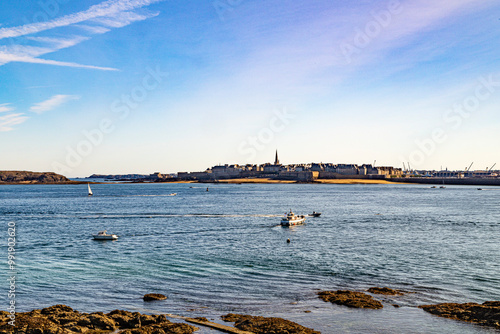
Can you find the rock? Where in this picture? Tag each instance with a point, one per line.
(61, 319)
(153, 296)
(125, 319)
(100, 321)
(147, 320)
(163, 328)
(56, 309)
(487, 314)
(263, 325)
(350, 299)
(27, 324)
(385, 291)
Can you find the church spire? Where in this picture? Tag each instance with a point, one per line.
(276, 160)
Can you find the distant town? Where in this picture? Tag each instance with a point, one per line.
(309, 172)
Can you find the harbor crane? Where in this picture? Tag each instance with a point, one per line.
(491, 168)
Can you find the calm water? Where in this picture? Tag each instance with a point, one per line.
(222, 251)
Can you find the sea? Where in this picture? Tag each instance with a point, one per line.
(221, 249)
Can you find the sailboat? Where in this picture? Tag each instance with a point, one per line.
(90, 190)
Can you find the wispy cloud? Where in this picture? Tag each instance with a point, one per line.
(106, 8)
(92, 29)
(8, 121)
(52, 103)
(98, 19)
(123, 19)
(5, 107)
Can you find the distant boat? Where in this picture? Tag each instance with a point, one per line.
(315, 214)
(90, 190)
(172, 194)
(433, 187)
(207, 188)
(102, 235)
(291, 219)
(442, 187)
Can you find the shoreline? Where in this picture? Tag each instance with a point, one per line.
(353, 181)
(61, 317)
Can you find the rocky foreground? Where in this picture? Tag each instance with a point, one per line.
(24, 177)
(62, 319)
(486, 314)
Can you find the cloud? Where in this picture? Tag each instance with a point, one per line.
(5, 107)
(106, 8)
(7, 121)
(93, 29)
(52, 103)
(7, 58)
(98, 19)
(59, 43)
(123, 19)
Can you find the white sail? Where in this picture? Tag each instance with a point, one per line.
(90, 190)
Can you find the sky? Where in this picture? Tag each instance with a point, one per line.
(143, 86)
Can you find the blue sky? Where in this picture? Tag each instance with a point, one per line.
(138, 86)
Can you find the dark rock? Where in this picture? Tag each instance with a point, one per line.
(125, 319)
(350, 299)
(100, 321)
(147, 320)
(56, 309)
(153, 296)
(263, 325)
(385, 291)
(487, 314)
(26, 324)
(61, 319)
(163, 328)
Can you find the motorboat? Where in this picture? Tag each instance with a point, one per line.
(291, 219)
(172, 194)
(102, 235)
(315, 214)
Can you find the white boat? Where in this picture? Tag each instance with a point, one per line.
(291, 219)
(90, 190)
(172, 194)
(102, 235)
